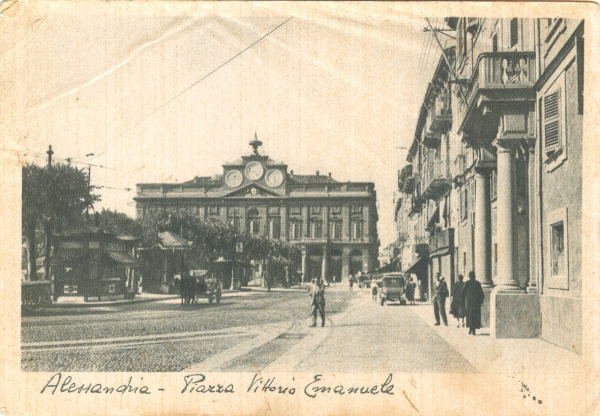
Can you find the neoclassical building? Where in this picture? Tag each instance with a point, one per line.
(334, 223)
(493, 182)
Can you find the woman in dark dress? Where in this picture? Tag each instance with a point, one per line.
(410, 291)
(457, 307)
(473, 296)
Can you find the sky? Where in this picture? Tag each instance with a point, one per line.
(168, 91)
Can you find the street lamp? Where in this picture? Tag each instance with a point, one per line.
(239, 248)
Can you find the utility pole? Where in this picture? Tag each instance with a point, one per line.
(49, 224)
(87, 207)
(50, 153)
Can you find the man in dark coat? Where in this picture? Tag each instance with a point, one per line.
(473, 296)
(439, 300)
(317, 301)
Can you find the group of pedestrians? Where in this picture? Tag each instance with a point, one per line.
(467, 299)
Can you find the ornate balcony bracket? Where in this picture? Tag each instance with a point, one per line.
(485, 161)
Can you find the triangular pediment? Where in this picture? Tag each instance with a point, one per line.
(251, 190)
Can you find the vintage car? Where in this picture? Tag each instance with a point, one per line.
(391, 287)
(365, 281)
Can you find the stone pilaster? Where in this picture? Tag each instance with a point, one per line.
(324, 264)
(303, 249)
(283, 212)
(366, 260)
(345, 264)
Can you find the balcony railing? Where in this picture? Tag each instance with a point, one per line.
(436, 178)
(441, 240)
(404, 176)
(501, 70)
(439, 117)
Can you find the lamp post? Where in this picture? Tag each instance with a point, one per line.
(239, 248)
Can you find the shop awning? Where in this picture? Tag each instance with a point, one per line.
(416, 265)
(122, 258)
(169, 240)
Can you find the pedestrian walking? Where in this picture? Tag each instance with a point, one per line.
(439, 300)
(418, 291)
(457, 306)
(317, 302)
(473, 298)
(374, 291)
(410, 291)
(183, 287)
(351, 281)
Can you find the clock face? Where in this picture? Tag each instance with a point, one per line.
(274, 178)
(234, 178)
(254, 171)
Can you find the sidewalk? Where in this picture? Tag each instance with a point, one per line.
(513, 355)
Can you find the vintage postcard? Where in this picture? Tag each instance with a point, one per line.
(295, 208)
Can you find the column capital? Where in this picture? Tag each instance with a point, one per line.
(505, 144)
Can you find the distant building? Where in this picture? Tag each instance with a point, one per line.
(493, 180)
(334, 223)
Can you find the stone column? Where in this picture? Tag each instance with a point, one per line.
(324, 264)
(303, 249)
(513, 313)
(482, 241)
(365, 260)
(283, 223)
(505, 220)
(482, 229)
(345, 264)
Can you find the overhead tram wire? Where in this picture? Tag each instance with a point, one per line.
(208, 74)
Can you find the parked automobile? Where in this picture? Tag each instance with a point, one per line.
(392, 288)
(365, 281)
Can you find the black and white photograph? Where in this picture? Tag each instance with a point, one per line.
(287, 193)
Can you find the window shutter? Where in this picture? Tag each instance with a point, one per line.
(552, 139)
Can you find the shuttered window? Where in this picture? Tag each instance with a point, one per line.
(551, 122)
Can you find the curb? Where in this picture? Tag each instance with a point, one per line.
(100, 304)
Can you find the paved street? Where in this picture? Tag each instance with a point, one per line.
(248, 331)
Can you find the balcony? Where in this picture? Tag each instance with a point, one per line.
(405, 179)
(439, 119)
(436, 179)
(499, 78)
(441, 240)
(421, 246)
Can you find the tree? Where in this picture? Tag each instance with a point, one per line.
(117, 223)
(53, 197)
(213, 239)
(33, 187)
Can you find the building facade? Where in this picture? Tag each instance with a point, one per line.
(334, 223)
(493, 178)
